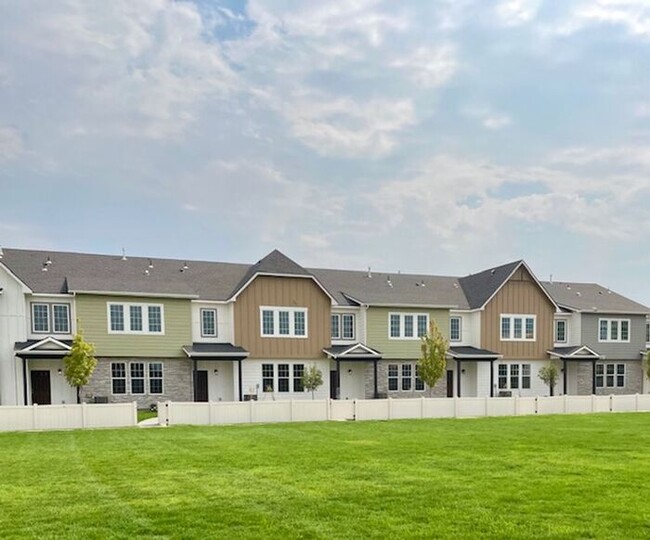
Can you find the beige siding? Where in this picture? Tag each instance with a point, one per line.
(93, 320)
(378, 326)
(520, 295)
(283, 292)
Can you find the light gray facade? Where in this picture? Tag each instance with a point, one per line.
(614, 350)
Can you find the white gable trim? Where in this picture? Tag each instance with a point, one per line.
(48, 339)
(25, 288)
(233, 298)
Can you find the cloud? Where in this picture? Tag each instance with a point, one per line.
(429, 67)
(11, 143)
(516, 12)
(488, 118)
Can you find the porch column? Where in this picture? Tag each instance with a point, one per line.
(564, 375)
(491, 378)
(338, 379)
(593, 376)
(25, 381)
(194, 369)
(459, 366)
(375, 370)
(241, 385)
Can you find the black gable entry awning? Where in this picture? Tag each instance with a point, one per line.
(472, 354)
(579, 353)
(223, 352)
(350, 353)
(48, 347)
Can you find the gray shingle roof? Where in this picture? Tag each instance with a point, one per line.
(587, 296)
(480, 287)
(391, 289)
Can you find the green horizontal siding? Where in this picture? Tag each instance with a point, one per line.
(93, 319)
(378, 325)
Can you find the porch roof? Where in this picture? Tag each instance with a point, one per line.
(215, 351)
(356, 351)
(472, 353)
(578, 352)
(47, 347)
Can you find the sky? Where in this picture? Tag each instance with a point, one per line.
(433, 136)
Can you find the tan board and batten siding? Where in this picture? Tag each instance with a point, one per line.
(283, 292)
(520, 295)
(92, 315)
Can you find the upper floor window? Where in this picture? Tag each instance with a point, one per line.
(518, 327)
(209, 322)
(614, 330)
(455, 329)
(560, 331)
(129, 318)
(283, 322)
(54, 318)
(407, 325)
(343, 326)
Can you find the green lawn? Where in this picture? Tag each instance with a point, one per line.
(536, 477)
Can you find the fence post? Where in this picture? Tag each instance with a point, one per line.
(83, 415)
(291, 410)
(565, 403)
(611, 403)
(422, 407)
(328, 409)
(536, 404)
(390, 408)
(636, 402)
(593, 403)
(354, 410)
(35, 416)
(169, 407)
(516, 405)
(486, 405)
(250, 411)
(209, 413)
(455, 406)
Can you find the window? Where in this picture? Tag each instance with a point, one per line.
(393, 378)
(118, 377)
(136, 318)
(298, 372)
(155, 378)
(283, 377)
(610, 375)
(267, 377)
(336, 327)
(405, 378)
(209, 322)
(58, 314)
(560, 331)
(614, 330)
(127, 318)
(289, 378)
(518, 327)
(514, 376)
(454, 329)
(348, 326)
(137, 378)
(407, 325)
(284, 322)
(343, 326)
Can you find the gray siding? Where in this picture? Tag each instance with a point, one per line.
(633, 379)
(614, 351)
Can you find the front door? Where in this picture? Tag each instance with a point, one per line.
(334, 384)
(201, 386)
(450, 383)
(41, 390)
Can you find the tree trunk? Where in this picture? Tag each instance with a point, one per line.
(78, 395)
(551, 386)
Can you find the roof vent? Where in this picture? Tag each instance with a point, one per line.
(44, 269)
(123, 254)
(578, 293)
(568, 287)
(48, 261)
(456, 285)
(595, 308)
(184, 267)
(389, 282)
(492, 271)
(369, 272)
(422, 284)
(609, 291)
(150, 263)
(146, 272)
(600, 292)
(550, 278)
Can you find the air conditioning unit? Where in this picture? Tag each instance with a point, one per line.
(505, 393)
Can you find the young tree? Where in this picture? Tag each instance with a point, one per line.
(549, 374)
(433, 362)
(312, 379)
(79, 364)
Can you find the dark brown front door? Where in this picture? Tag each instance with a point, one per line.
(41, 390)
(201, 386)
(450, 383)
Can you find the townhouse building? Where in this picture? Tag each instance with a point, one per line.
(199, 331)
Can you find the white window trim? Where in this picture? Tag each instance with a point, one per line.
(460, 328)
(126, 308)
(276, 377)
(216, 331)
(620, 332)
(402, 326)
(145, 367)
(128, 379)
(520, 376)
(340, 317)
(616, 374)
(162, 378)
(400, 376)
(566, 330)
(276, 322)
(523, 317)
(50, 318)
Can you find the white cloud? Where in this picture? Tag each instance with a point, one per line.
(429, 67)
(488, 118)
(11, 143)
(516, 12)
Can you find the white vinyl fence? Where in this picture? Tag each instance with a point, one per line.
(46, 417)
(247, 412)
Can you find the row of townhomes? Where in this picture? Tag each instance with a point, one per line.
(199, 331)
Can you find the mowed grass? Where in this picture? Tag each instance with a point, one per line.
(537, 477)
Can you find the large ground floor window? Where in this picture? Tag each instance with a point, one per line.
(610, 375)
(404, 378)
(283, 378)
(514, 376)
(137, 378)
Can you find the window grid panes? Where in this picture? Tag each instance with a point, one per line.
(393, 377)
(117, 317)
(610, 375)
(614, 330)
(135, 313)
(155, 319)
(407, 325)
(61, 316)
(283, 377)
(209, 322)
(286, 322)
(517, 328)
(336, 328)
(267, 377)
(454, 329)
(422, 325)
(298, 372)
(40, 317)
(267, 322)
(560, 331)
(299, 323)
(395, 326)
(137, 378)
(118, 377)
(348, 326)
(283, 322)
(406, 377)
(155, 378)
